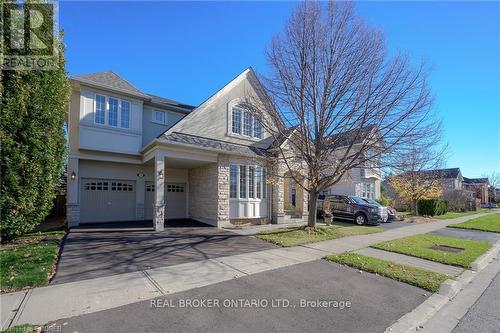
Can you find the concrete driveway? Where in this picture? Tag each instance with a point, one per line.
(87, 255)
(375, 303)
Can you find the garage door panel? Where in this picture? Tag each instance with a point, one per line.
(104, 200)
(175, 198)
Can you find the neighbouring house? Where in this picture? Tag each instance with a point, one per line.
(363, 181)
(134, 156)
(479, 186)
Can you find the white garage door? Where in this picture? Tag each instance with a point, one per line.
(105, 200)
(175, 196)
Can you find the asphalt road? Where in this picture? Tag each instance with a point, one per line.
(484, 315)
(272, 301)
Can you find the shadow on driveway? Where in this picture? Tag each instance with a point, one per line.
(88, 255)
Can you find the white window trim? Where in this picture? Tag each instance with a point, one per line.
(119, 112)
(165, 115)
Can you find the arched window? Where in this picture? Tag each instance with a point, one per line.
(244, 123)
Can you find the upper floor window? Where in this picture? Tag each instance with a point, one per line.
(245, 123)
(114, 110)
(159, 116)
(257, 128)
(125, 115)
(236, 121)
(100, 109)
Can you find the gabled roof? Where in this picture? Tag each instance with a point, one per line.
(280, 138)
(212, 144)
(113, 81)
(476, 180)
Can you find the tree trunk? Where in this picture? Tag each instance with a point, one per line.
(414, 207)
(313, 202)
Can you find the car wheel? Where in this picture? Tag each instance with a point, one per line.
(360, 219)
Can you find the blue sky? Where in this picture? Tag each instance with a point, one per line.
(188, 50)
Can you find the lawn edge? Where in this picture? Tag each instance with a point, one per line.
(409, 282)
(448, 290)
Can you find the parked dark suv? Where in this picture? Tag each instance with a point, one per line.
(353, 208)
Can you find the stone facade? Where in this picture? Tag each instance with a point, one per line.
(223, 190)
(203, 193)
(73, 214)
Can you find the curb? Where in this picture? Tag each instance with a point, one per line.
(414, 320)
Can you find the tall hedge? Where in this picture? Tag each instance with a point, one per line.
(32, 106)
(432, 207)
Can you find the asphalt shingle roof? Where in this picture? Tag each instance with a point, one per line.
(212, 144)
(475, 180)
(112, 80)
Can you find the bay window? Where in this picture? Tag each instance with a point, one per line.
(243, 181)
(233, 181)
(114, 111)
(247, 181)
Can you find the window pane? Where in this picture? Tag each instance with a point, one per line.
(258, 181)
(233, 181)
(125, 115)
(160, 116)
(243, 181)
(236, 121)
(100, 109)
(113, 112)
(257, 128)
(251, 182)
(247, 124)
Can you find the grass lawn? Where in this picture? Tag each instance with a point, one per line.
(25, 328)
(420, 246)
(29, 260)
(485, 223)
(415, 276)
(301, 235)
(453, 215)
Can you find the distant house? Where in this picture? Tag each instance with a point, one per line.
(479, 186)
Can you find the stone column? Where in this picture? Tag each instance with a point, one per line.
(223, 167)
(159, 204)
(73, 201)
(278, 193)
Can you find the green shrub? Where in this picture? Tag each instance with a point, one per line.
(432, 207)
(32, 112)
(384, 201)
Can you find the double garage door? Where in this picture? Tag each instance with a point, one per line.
(107, 200)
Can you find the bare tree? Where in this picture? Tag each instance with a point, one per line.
(493, 184)
(415, 169)
(349, 102)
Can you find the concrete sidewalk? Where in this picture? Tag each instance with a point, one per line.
(41, 305)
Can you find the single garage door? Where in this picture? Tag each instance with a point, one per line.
(105, 200)
(175, 196)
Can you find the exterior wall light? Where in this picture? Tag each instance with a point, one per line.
(160, 174)
(140, 174)
(73, 175)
